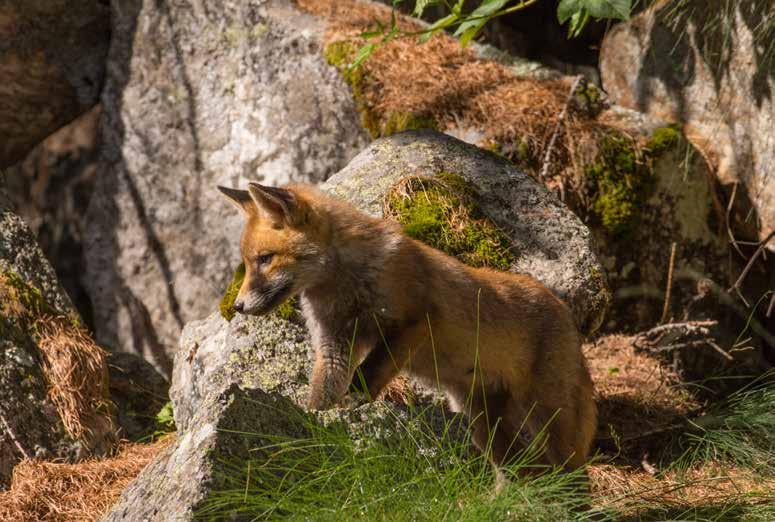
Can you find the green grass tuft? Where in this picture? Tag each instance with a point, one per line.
(413, 475)
(740, 431)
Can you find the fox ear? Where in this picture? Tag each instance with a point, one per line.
(239, 198)
(277, 204)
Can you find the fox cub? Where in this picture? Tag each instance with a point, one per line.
(501, 346)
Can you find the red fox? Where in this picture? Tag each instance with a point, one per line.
(501, 346)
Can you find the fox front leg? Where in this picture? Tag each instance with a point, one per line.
(331, 375)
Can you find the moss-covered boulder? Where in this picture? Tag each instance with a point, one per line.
(487, 212)
(51, 405)
(712, 71)
(649, 191)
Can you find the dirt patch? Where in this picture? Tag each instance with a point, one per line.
(49, 491)
(639, 399)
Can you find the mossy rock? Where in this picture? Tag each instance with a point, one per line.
(21, 304)
(664, 139)
(442, 213)
(341, 54)
(520, 226)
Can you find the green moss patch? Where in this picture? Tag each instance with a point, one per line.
(340, 55)
(623, 178)
(230, 295)
(21, 304)
(442, 212)
(288, 310)
(621, 183)
(663, 139)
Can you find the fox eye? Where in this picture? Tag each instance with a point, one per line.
(266, 258)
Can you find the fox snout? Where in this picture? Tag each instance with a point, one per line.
(263, 298)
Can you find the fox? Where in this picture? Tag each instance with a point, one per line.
(501, 346)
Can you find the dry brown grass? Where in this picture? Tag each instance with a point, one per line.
(75, 369)
(49, 491)
(641, 401)
(442, 80)
(632, 491)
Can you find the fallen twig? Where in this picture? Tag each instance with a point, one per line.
(544, 173)
(736, 287)
(13, 437)
(674, 336)
(669, 289)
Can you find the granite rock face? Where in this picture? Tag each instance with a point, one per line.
(178, 481)
(268, 352)
(196, 96)
(52, 61)
(548, 241)
(718, 83)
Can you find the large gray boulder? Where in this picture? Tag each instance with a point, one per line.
(198, 96)
(179, 480)
(710, 70)
(547, 240)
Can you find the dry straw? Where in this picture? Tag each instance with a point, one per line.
(444, 81)
(75, 369)
(50, 491)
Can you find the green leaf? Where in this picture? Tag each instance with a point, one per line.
(618, 9)
(567, 9)
(438, 26)
(474, 22)
(363, 54)
(577, 23)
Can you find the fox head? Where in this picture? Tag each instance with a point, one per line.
(278, 246)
